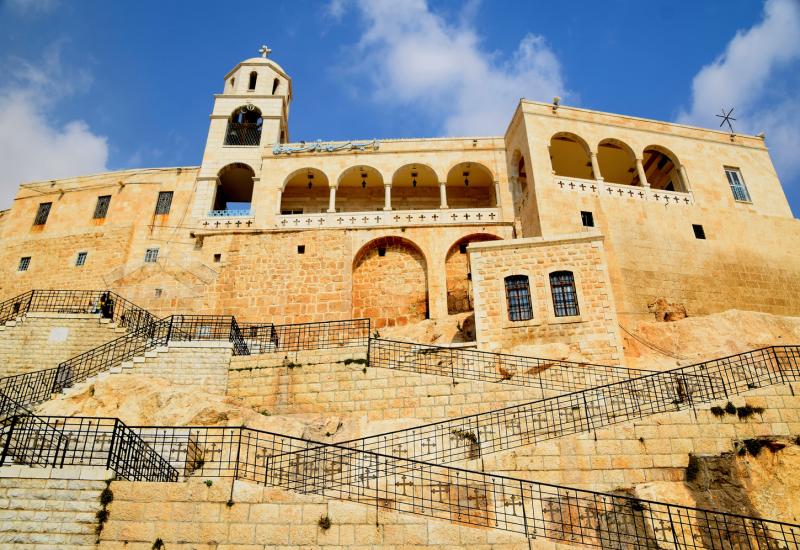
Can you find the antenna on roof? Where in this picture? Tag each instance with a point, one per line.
(726, 118)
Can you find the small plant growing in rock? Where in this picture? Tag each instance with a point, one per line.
(209, 483)
(747, 411)
(324, 522)
(265, 413)
(229, 503)
(730, 408)
(505, 374)
(376, 334)
(719, 412)
(465, 434)
(637, 505)
(641, 440)
(158, 544)
(106, 498)
(354, 360)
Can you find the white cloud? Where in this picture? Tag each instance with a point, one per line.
(33, 6)
(32, 146)
(414, 57)
(751, 75)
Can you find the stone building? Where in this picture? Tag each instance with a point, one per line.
(552, 233)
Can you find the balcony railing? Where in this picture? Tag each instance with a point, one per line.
(243, 133)
(392, 218)
(618, 190)
(231, 213)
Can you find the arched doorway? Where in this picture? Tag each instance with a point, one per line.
(390, 282)
(470, 185)
(306, 191)
(234, 189)
(457, 271)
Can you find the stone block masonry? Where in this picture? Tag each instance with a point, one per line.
(42, 340)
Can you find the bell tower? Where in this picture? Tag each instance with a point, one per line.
(249, 117)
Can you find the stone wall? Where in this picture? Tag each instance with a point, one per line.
(43, 340)
(193, 515)
(337, 381)
(593, 333)
(50, 507)
(652, 449)
(186, 364)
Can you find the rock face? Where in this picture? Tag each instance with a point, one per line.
(665, 311)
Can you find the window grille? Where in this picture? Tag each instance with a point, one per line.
(565, 297)
(81, 259)
(151, 255)
(164, 202)
(518, 296)
(42, 213)
(101, 209)
(738, 188)
(24, 263)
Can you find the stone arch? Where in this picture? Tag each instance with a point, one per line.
(470, 185)
(305, 191)
(519, 169)
(457, 272)
(390, 282)
(617, 162)
(570, 156)
(359, 189)
(234, 193)
(415, 186)
(244, 126)
(662, 169)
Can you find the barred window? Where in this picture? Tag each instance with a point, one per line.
(565, 297)
(101, 209)
(42, 213)
(151, 255)
(81, 259)
(738, 188)
(24, 263)
(518, 297)
(164, 202)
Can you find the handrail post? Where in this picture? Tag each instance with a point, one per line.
(111, 446)
(30, 302)
(14, 420)
(780, 370)
(236, 467)
(169, 330)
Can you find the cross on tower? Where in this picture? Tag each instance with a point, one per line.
(264, 51)
(726, 119)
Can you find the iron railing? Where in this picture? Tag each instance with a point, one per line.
(55, 441)
(267, 338)
(243, 133)
(118, 309)
(469, 364)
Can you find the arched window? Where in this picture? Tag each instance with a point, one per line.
(518, 298)
(244, 126)
(662, 170)
(252, 84)
(275, 84)
(617, 162)
(565, 297)
(570, 157)
(522, 175)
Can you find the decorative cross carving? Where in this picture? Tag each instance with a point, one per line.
(594, 187)
(491, 215)
(340, 219)
(514, 501)
(238, 223)
(377, 219)
(422, 217)
(630, 192)
(308, 221)
(466, 216)
(264, 51)
(396, 218)
(435, 217)
(479, 215)
(641, 195)
(365, 476)
(428, 444)
(571, 185)
(296, 221)
(454, 216)
(561, 184)
(440, 488)
(365, 219)
(409, 217)
(205, 223)
(321, 220)
(216, 224)
(404, 484)
(583, 187)
(249, 223)
(352, 219)
(228, 223)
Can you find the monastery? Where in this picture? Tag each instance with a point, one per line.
(351, 343)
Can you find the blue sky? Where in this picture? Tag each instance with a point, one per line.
(92, 85)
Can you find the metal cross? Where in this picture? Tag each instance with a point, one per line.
(264, 51)
(726, 118)
(514, 501)
(404, 484)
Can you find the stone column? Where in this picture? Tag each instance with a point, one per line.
(497, 194)
(332, 199)
(278, 201)
(684, 177)
(387, 196)
(595, 166)
(642, 175)
(443, 195)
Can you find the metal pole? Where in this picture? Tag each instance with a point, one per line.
(3, 456)
(111, 446)
(236, 468)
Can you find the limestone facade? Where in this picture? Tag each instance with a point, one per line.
(293, 232)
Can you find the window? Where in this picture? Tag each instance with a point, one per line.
(301, 249)
(217, 258)
(81, 259)
(291, 212)
(101, 209)
(42, 213)
(738, 187)
(587, 219)
(24, 263)
(381, 251)
(252, 84)
(275, 84)
(164, 202)
(151, 255)
(565, 298)
(699, 232)
(518, 297)
(159, 292)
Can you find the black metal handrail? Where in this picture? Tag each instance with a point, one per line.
(268, 338)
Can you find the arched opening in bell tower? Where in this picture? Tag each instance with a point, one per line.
(244, 126)
(234, 195)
